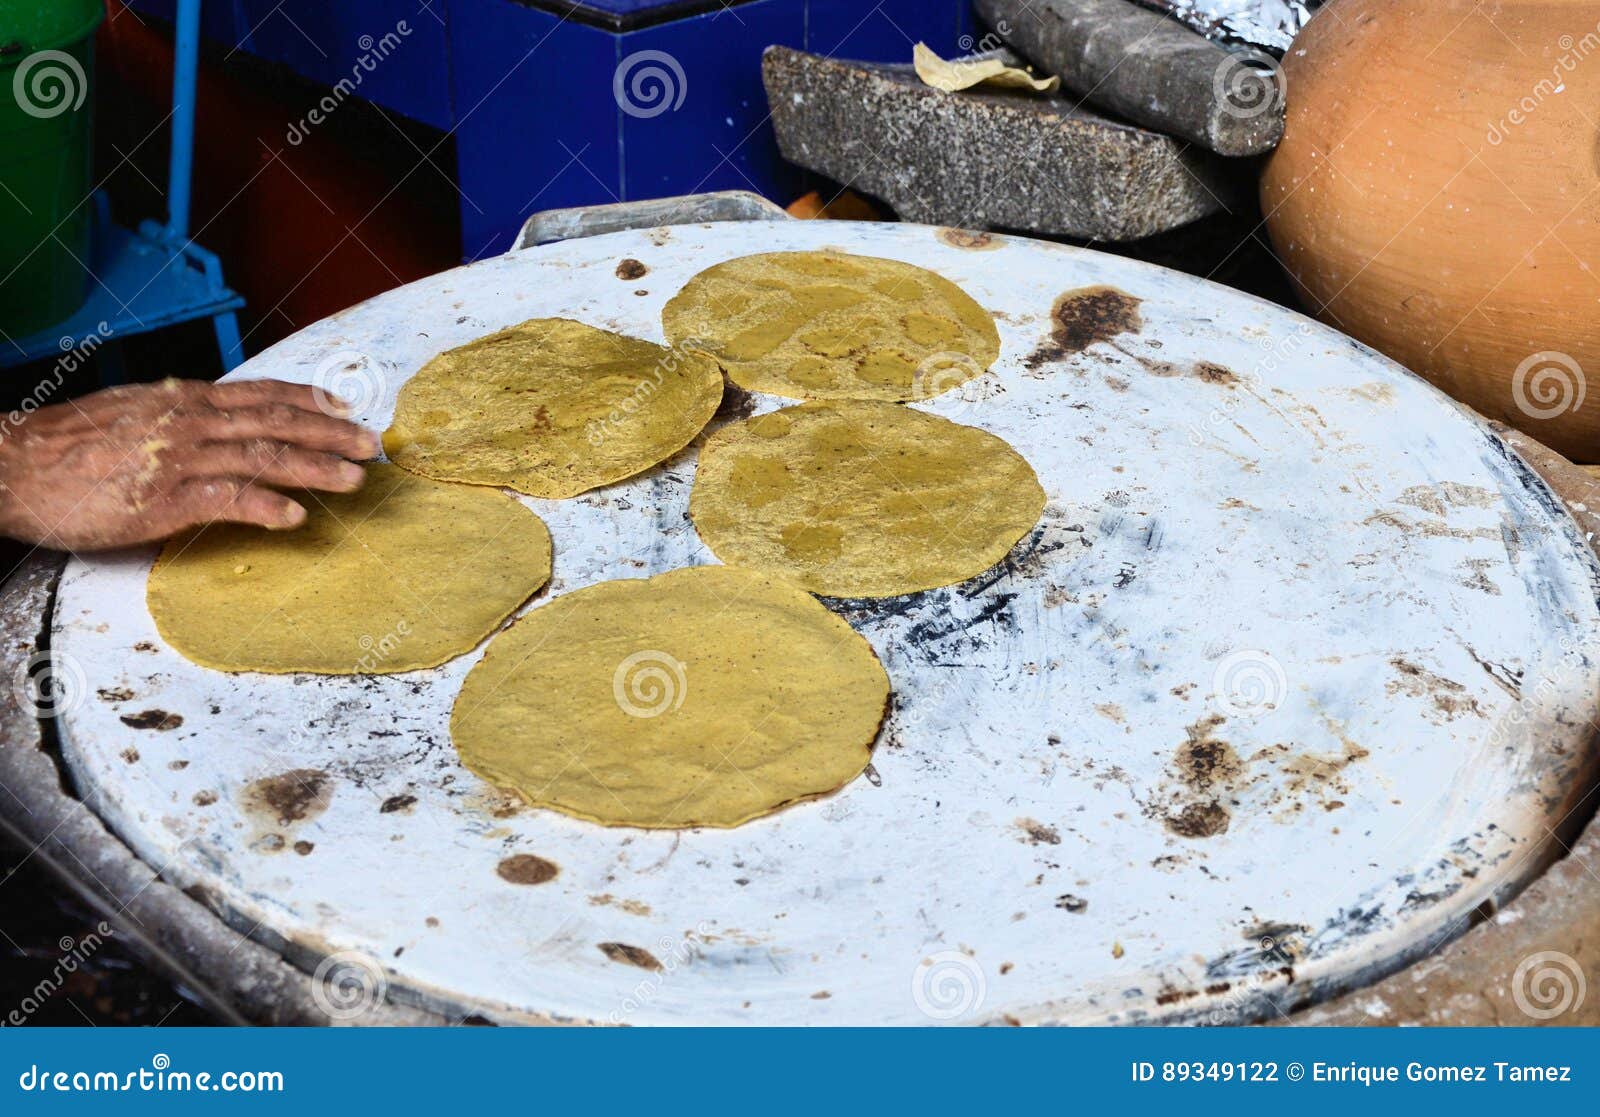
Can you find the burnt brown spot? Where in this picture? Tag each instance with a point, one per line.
(968, 238)
(294, 796)
(1084, 316)
(145, 646)
(397, 803)
(631, 956)
(1077, 905)
(525, 868)
(631, 269)
(1038, 833)
(304, 848)
(158, 720)
(1213, 373)
(1200, 820)
(204, 798)
(114, 694)
(178, 765)
(130, 755)
(1205, 760)
(736, 403)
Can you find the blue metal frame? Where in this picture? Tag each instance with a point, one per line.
(155, 276)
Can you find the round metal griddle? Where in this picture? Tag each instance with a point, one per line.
(1294, 676)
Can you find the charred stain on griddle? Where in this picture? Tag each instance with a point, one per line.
(525, 868)
(145, 646)
(1037, 833)
(397, 803)
(1213, 373)
(159, 720)
(204, 798)
(631, 956)
(736, 403)
(968, 238)
(1200, 820)
(1077, 905)
(303, 848)
(114, 694)
(294, 796)
(1084, 316)
(1204, 760)
(631, 269)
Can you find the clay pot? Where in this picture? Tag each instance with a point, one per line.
(1436, 195)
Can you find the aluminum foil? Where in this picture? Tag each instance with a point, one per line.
(1266, 24)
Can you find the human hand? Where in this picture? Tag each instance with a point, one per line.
(140, 463)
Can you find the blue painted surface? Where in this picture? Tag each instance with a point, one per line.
(529, 94)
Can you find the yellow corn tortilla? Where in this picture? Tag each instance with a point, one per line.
(862, 499)
(827, 325)
(952, 77)
(551, 408)
(403, 574)
(700, 697)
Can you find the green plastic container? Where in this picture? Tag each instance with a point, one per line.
(46, 106)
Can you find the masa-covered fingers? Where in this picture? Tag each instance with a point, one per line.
(272, 463)
(283, 423)
(205, 500)
(258, 393)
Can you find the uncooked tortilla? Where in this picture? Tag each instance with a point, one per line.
(403, 574)
(551, 408)
(700, 697)
(827, 325)
(862, 499)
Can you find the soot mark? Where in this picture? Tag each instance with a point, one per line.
(1084, 316)
(525, 868)
(631, 955)
(114, 694)
(1200, 820)
(293, 796)
(158, 720)
(1038, 833)
(631, 269)
(968, 238)
(397, 803)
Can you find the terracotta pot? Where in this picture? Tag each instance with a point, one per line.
(1436, 196)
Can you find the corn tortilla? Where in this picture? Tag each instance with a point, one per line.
(827, 325)
(862, 499)
(701, 697)
(403, 574)
(551, 408)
